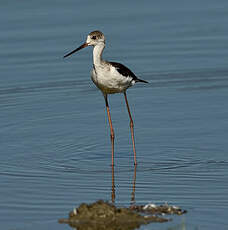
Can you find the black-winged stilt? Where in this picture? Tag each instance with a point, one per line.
(110, 77)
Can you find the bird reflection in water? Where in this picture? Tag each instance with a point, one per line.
(113, 193)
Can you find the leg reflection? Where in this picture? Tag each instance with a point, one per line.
(113, 196)
(113, 193)
(133, 188)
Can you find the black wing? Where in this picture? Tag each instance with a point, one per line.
(123, 70)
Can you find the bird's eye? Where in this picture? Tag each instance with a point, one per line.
(94, 37)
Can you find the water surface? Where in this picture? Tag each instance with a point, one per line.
(54, 133)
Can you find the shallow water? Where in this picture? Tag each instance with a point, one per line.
(54, 133)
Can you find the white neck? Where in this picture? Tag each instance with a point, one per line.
(97, 53)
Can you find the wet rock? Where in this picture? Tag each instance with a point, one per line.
(102, 215)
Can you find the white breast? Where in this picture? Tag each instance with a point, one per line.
(109, 80)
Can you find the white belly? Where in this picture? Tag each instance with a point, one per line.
(109, 81)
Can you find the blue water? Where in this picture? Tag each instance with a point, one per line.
(54, 133)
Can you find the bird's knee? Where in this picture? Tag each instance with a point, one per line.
(112, 135)
(131, 124)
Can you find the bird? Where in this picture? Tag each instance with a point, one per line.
(110, 78)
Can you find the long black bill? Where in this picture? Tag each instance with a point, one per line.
(79, 48)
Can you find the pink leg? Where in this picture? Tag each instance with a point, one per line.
(111, 128)
(132, 128)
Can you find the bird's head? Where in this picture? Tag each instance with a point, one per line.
(94, 38)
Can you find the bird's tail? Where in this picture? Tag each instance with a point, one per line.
(140, 80)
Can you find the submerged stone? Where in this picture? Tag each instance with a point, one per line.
(159, 209)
